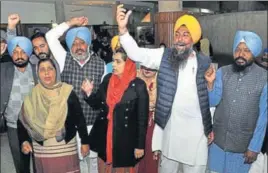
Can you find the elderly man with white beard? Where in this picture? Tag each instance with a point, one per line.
(182, 116)
(78, 66)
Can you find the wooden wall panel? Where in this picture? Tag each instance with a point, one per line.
(164, 24)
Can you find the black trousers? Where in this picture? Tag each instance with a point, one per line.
(21, 161)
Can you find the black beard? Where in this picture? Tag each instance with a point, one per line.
(43, 55)
(238, 67)
(20, 64)
(179, 61)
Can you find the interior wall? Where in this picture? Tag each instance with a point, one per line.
(30, 12)
(220, 30)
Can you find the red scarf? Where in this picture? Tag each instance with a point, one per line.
(116, 89)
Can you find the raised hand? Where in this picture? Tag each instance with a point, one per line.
(13, 20)
(78, 21)
(122, 18)
(210, 76)
(87, 87)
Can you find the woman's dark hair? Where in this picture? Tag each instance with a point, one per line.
(123, 53)
(46, 60)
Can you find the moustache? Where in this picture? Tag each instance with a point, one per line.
(19, 59)
(180, 44)
(79, 50)
(43, 55)
(240, 58)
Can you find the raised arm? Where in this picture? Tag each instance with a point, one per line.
(53, 36)
(150, 58)
(214, 80)
(54, 44)
(12, 22)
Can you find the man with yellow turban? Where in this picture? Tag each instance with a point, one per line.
(79, 66)
(183, 127)
(239, 93)
(17, 80)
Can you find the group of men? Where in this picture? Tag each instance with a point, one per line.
(187, 86)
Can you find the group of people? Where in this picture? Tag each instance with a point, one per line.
(71, 114)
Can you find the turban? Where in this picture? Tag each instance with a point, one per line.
(265, 50)
(192, 24)
(22, 42)
(115, 42)
(81, 32)
(251, 39)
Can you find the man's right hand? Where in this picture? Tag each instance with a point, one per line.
(210, 76)
(26, 148)
(122, 19)
(13, 20)
(78, 21)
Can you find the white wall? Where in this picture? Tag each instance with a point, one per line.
(220, 29)
(30, 12)
(96, 15)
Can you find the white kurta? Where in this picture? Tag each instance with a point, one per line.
(183, 138)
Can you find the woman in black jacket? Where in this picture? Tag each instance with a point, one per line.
(118, 134)
(50, 117)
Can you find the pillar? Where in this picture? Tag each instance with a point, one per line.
(168, 13)
(59, 10)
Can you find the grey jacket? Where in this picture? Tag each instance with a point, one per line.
(7, 75)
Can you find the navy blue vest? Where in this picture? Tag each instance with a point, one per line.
(167, 87)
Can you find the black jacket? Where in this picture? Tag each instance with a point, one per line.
(75, 121)
(129, 122)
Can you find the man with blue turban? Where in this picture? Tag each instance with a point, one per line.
(17, 79)
(239, 92)
(79, 65)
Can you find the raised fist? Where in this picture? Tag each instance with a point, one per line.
(13, 20)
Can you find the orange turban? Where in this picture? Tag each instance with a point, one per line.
(115, 43)
(192, 24)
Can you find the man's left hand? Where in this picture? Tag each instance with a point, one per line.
(250, 157)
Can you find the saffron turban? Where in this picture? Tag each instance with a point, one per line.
(251, 39)
(192, 24)
(82, 33)
(22, 42)
(115, 43)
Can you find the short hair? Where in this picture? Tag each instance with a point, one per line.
(37, 35)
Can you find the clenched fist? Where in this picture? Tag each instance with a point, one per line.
(210, 76)
(78, 21)
(87, 86)
(13, 20)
